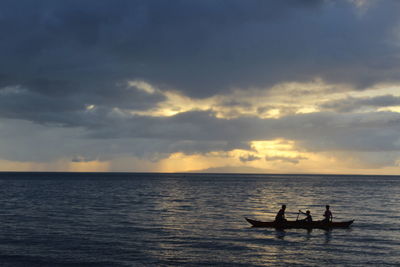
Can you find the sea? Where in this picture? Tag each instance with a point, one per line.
(155, 219)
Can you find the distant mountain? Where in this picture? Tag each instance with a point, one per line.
(233, 169)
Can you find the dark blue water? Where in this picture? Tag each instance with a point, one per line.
(69, 219)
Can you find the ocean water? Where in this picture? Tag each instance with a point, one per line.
(122, 219)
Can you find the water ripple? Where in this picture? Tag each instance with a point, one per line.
(66, 219)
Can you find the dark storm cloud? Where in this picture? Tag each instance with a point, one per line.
(203, 132)
(199, 132)
(67, 109)
(352, 103)
(61, 48)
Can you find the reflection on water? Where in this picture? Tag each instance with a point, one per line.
(328, 236)
(308, 235)
(280, 234)
(194, 220)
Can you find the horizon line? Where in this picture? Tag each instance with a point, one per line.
(197, 173)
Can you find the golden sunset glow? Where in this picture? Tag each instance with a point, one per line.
(271, 103)
(91, 166)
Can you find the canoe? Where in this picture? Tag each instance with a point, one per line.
(300, 224)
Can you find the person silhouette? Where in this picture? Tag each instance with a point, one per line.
(308, 214)
(327, 215)
(280, 216)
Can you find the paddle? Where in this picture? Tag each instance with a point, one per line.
(298, 213)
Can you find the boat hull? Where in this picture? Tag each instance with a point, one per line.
(300, 224)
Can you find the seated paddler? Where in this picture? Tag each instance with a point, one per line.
(280, 216)
(308, 214)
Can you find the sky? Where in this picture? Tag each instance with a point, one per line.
(294, 86)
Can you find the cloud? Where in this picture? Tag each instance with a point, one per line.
(292, 160)
(248, 158)
(18, 102)
(316, 131)
(66, 55)
(198, 132)
(198, 47)
(351, 103)
(81, 159)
